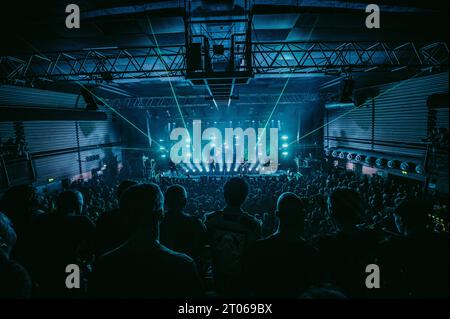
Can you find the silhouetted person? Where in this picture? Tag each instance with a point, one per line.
(58, 239)
(14, 279)
(142, 267)
(181, 232)
(322, 293)
(415, 265)
(19, 203)
(111, 227)
(282, 265)
(230, 232)
(345, 254)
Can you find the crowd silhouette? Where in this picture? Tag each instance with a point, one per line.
(308, 237)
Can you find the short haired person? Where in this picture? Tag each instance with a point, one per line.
(58, 239)
(14, 279)
(282, 265)
(180, 231)
(231, 231)
(142, 267)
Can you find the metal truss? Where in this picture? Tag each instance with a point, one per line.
(323, 57)
(204, 101)
(105, 64)
(96, 64)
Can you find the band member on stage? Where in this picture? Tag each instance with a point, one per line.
(173, 168)
(212, 166)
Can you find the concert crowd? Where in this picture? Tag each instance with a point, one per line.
(305, 236)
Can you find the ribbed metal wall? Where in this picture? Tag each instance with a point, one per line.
(45, 136)
(398, 122)
(349, 128)
(23, 96)
(55, 145)
(401, 114)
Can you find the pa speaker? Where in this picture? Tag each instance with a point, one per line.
(88, 97)
(195, 57)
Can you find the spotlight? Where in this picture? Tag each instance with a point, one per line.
(380, 162)
(187, 171)
(369, 160)
(404, 166)
(235, 169)
(193, 171)
(285, 153)
(285, 145)
(284, 137)
(228, 169)
(419, 169)
(163, 155)
(162, 148)
(392, 164)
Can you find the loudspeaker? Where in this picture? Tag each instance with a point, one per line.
(91, 104)
(347, 91)
(195, 57)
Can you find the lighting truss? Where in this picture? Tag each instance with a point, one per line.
(96, 64)
(266, 58)
(201, 101)
(323, 57)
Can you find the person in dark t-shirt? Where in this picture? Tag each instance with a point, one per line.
(15, 283)
(142, 267)
(181, 232)
(60, 238)
(230, 232)
(282, 265)
(111, 227)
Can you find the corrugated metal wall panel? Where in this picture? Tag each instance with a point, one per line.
(353, 130)
(56, 166)
(98, 132)
(6, 131)
(399, 121)
(50, 135)
(24, 96)
(442, 118)
(53, 144)
(102, 152)
(401, 112)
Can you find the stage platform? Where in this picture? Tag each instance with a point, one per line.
(198, 175)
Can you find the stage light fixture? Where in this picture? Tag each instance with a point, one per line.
(380, 162)
(369, 160)
(392, 164)
(341, 155)
(334, 154)
(419, 169)
(360, 157)
(285, 153)
(284, 137)
(285, 145)
(404, 166)
(163, 155)
(350, 156)
(327, 152)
